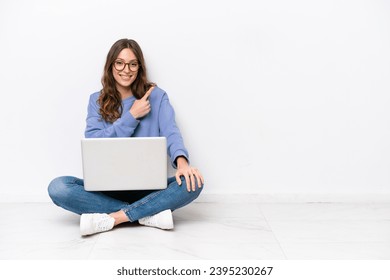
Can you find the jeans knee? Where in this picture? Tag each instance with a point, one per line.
(56, 188)
(183, 196)
(192, 193)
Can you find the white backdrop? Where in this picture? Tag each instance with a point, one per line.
(272, 97)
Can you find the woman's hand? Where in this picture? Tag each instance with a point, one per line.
(190, 174)
(141, 107)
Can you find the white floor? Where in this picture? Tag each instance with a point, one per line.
(218, 230)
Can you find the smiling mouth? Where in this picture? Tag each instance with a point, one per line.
(126, 77)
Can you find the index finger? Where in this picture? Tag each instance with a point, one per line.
(147, 94)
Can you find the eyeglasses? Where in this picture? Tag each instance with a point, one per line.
(120, 65)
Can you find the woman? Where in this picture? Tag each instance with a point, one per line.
(130, 106)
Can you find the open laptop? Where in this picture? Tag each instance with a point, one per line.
(132, 163)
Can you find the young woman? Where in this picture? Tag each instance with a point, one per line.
(130, 106)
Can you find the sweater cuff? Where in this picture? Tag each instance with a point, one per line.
(179, 154)
(129, 120)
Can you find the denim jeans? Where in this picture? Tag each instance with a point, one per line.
(68, 192)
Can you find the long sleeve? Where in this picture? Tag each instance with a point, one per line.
(169, 129)
(97, 127)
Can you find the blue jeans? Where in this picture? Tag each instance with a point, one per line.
(68, 193)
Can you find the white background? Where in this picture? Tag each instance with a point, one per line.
(272, 97)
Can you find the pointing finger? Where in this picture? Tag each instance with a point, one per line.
(147, 94)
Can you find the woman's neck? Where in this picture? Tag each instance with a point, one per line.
(125, 92)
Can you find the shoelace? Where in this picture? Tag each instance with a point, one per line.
(104, 224)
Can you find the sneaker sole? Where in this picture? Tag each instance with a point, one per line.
(168, 221)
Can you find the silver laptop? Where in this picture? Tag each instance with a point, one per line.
(133, 163)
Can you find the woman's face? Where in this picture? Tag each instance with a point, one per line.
(125, 69)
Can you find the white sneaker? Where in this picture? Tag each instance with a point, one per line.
(161, 220)
(94, 223)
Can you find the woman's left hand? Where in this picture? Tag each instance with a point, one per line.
(191, 174)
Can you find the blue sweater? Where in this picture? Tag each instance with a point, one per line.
(159, 122)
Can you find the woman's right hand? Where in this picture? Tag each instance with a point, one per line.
(141, 107)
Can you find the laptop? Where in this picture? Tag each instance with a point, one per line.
(118, 164)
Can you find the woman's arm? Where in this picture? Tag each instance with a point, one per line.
(169, 130)
(176, 149)
(97, 128)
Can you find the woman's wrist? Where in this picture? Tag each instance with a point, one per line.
(181, 162)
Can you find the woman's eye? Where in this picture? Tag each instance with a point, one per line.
(119, 63)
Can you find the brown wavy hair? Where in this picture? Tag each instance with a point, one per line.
(110, 100)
